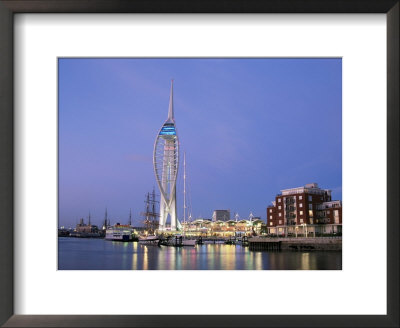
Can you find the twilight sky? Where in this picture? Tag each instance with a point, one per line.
(250, 128)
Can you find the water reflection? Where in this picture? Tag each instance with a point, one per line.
(230, 258)
(172, 257)
(134, 256)
(305, 261)
(94, 254)
(145, 258)
(257, 261)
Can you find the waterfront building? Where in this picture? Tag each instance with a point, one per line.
(230, 228)
(221, 215)
(307, 210)
(81, 227)
(83, 230)
(166, 163)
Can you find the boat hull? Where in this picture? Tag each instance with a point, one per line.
(149, 240)
(122, 238)
(120, 233)
(179, 242)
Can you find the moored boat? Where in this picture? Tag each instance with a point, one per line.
(120, 232)
(149, 240)
(178, 241)
(189, 242)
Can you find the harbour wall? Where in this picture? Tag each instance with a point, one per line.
(300, 244)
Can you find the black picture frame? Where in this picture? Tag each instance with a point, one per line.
(10, 7)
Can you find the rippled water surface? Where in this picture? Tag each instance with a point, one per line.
(100, 254)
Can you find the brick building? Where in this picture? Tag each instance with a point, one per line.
(307, 210)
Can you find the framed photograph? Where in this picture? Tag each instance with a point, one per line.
(173, 174)
(201, 163)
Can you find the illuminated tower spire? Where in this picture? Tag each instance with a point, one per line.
(171, 103)
(166, 162)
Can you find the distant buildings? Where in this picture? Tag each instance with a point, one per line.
(85, 230)
(307, 210)
(221, 215)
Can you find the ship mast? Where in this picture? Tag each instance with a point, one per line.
(130, 217)
(148, 209)
(184, 188)
(150, 213)
(154, 214)
(105, 224)
(153, 203)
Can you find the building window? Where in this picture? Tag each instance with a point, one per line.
(310, 206)
(310, 198)
(301, 205)
(279, 207)
(279, 200)
(301, 220)
(301, 212)
(270, 223)
(336, 212)
(280, 214)
(328, 212)
(310, 213)
(270, 217)
(270, 210)
(300, 197)
(280, 221)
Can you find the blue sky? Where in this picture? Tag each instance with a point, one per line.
(250, 127)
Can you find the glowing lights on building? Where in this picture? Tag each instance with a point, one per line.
(168, 129)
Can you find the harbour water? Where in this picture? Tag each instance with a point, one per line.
(100, 254)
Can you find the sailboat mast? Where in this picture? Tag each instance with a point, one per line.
(184, 187)
(153, 210)
(130, 217)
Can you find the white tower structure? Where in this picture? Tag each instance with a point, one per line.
(166, 163)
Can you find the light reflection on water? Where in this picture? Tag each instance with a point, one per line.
(99, 254)
(145, 259)
(134, 256)
(305, 261)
